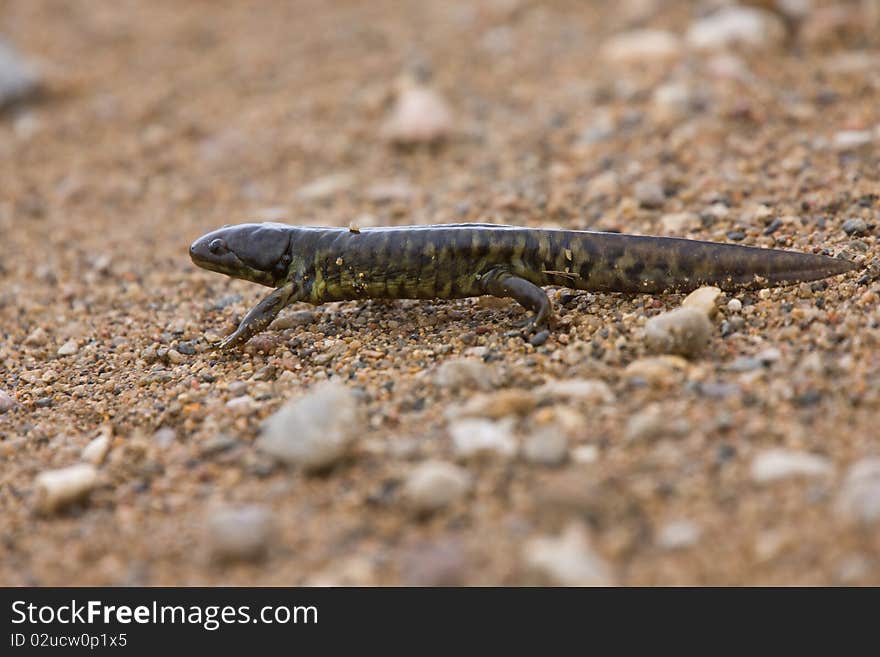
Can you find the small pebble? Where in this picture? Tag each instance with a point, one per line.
(97, 449)
(678, 534)
(464, 373)
(683, 331)
(420, 115)
(777, 464)
(733, 26)
(496, 405)
(56, 489)
(68, 348)
(855, 226)
(656, 370)
(703, 299)
(37, 337)
(294, 319)
(436, 564)
(567, 559)
(859, 497)
(240, 532)
(653, 423)
(7, 402)
(734, 305)
(475, 438)
(640, 46)
(585, 454)
(678, 223)
(435, 484)
(649, 193)
(18, 80)
(592, 391)
(849, 140)
(241, 405)
(316, 430)
(539, 338)
(547, 446)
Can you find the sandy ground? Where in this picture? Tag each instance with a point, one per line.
(163, 120)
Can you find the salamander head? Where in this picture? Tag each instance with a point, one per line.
(253, 252)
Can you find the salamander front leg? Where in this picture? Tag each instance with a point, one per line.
(260, 316)
(529, 295)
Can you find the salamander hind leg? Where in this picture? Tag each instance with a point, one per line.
(500, 283)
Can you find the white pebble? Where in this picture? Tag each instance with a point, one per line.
(474, 438)
(420, 115)
(240, 532)
(241, 405)
(677, 223)
(671, 101)
(703, 299)
(683, 331)
(18, 79)
(649, 193)
(859, 497)
(642, 46)
(37, 337)
(56, 489)
(734, 305)
(733, 26)
(434, 484)
(96, 450)
(585, 454)
(567, 560)
(68, 348)
(593, 391)
(653, 423)
(848, 140)
(316, 430)
(7, 402)
(464, 373)
(547, 446)
(777, 464)
(656, 370)
(678, 534)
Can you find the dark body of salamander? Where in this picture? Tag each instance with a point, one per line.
(463, 260)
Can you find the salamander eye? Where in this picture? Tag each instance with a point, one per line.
(218, 247)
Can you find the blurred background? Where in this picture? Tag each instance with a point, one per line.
(129, 128)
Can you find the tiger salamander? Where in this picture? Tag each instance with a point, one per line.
(454, 261)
